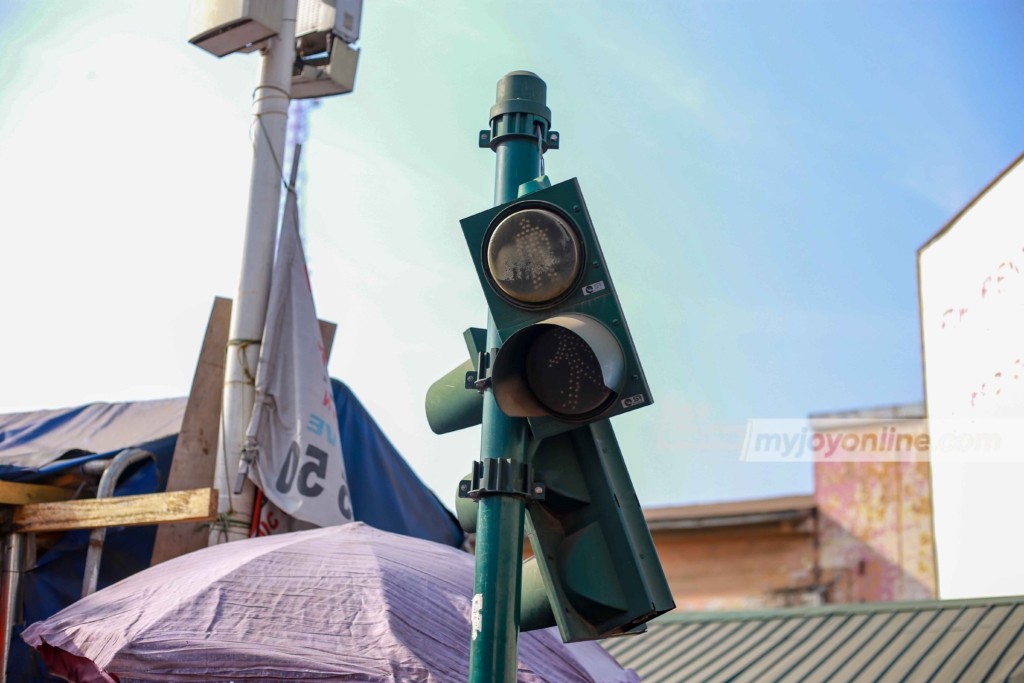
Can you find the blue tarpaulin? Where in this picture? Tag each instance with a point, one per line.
(386, 494)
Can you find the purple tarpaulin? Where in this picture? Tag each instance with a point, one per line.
(342, 603)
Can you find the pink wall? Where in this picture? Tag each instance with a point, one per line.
(875, 526)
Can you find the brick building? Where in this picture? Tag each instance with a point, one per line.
(865, 535)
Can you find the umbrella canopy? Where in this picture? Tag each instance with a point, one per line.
(342, 603)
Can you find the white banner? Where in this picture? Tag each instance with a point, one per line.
(292, 442)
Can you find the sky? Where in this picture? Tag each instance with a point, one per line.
(760, 176)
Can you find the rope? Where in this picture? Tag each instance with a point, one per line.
(242, 345)
(271, 87)
(223, 524)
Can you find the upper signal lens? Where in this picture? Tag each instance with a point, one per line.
(533, 256)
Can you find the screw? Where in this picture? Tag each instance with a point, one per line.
(615, 322)
(464, 487)
(636, 377)
(567, 610)
(596, 264)
(538, 490)
(576, 209)
(554, 137)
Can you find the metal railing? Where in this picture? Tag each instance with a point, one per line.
(112, 471)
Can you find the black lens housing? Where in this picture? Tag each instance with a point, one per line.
(577, 237)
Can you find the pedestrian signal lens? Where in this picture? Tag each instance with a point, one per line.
(534, 257)
(564, 373)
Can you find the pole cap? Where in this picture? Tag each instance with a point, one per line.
(522, 92)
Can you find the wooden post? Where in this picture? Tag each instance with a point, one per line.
(195, 455)
(327, 331)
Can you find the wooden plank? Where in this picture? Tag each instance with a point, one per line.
(153, 508)
(13, 493)
(195, 454)
(327, 331)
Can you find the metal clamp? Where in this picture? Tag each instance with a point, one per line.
(502, 477)
(480, 379)
(518, 124)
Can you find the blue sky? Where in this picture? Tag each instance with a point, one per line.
(760, 176)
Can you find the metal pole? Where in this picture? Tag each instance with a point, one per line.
(9, 594)
(499, 532)
(112, 471)
(249, 312)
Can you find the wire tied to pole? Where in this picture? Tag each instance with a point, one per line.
(241, 345)
(273, 154)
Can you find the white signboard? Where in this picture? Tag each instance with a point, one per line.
(293, 443)
(972, 323)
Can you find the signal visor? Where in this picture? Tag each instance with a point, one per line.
(570, 367)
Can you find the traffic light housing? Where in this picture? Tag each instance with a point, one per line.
(592, 544)
(566, 357)
(595, 571)
(449, 405)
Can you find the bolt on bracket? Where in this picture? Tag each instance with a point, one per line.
(480, 379)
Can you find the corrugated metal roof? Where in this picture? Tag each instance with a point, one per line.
(972, 641)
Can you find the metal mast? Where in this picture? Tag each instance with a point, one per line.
(270, 122)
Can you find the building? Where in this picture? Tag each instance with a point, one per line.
(865, 535)
(745, 555)
(972, 317)
(875, 506)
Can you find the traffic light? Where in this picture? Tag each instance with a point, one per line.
(566, 357)
(566, 363)
(591, 542)
(558, 361)
(595, 571)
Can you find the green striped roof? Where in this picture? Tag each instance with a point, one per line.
(973, 641)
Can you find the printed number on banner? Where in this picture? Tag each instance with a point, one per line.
(290, 471)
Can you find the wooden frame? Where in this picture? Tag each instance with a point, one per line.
(197, 505)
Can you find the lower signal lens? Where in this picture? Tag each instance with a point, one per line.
(564, 374)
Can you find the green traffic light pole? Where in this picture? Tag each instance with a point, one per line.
(520, 124)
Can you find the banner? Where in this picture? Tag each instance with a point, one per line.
(292, 447)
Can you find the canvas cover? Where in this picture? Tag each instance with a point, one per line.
(340, 603)
(35, 439)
